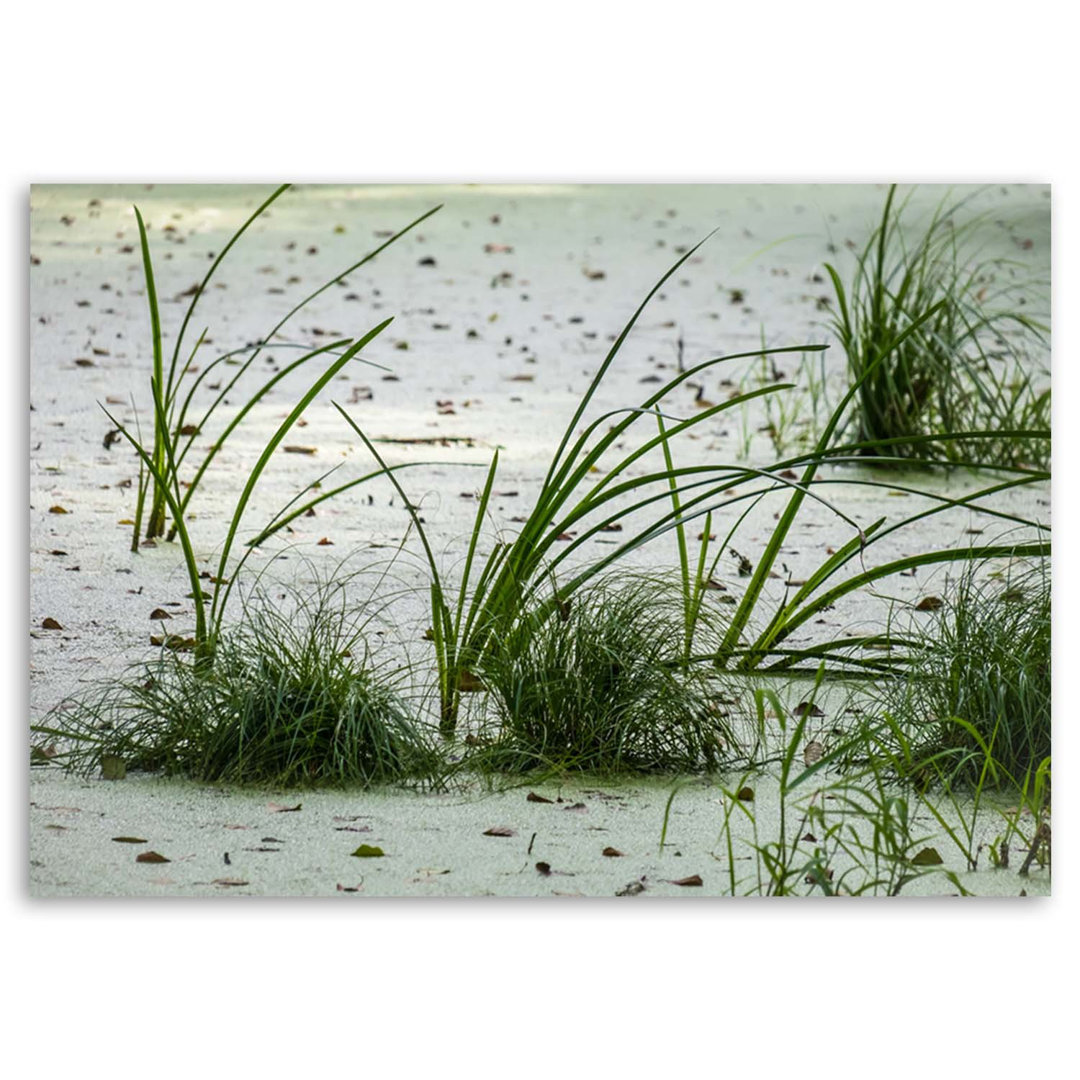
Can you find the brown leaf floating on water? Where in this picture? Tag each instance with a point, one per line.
(160, 613)
(694, 879)
(129, 840)
(746, 794)
(930, 603)
(500, 830)
(50, 624)
(812, 752)
(300, 450)
(612, 853)
(533, 797)
(543, 868)
(151, 857)
(325, 542)
(468, 683)
(807, 708)
(58, 510)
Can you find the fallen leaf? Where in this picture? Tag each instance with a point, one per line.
(694, 879)
(812, 752)
(746, 794)
(278, 808)
(533, 797)
(810, 838)
(325, 542)
(128, 840)
(113, 767)
(152, 857)
(500, 830)
(612, 853)
(160, 613)
(58, 510)
(927, 857)
(231, 881)
(369, 851)
(468, 683)
(50, 624)
(930, 603)
(544, 868)
(807, 708)
(300, 449)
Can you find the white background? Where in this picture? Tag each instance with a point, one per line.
(547, 92)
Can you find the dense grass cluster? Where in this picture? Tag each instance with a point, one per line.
(291, 699)
(600, 685)
(975, 704)
(942, 340)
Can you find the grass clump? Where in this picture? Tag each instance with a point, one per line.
(600, 686)
(956, 335)
(291, 700)
(975, 706)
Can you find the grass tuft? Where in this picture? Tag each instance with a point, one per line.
(975, 706)
(292, 700)
(956, 334)
(601, 686)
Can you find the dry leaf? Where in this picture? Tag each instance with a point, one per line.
(228, 881)
(300, 449)
(152, 857)
(930, 603)
(128, 840)
(533, 797)
(468, 683)
(278, 808)
(612, 853)
(812, 752)
(160, 613)
(500, 830)
(807, 708)
(746, 794)
(694, 879)
(50, 624)
(58, 510)
(544, 868)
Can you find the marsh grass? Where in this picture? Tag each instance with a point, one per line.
(176, 420)
(835, 832)
(600, 686)
(967, 366)
(974, 707)
(293, 699)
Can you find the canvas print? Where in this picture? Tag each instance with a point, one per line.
(576, 540)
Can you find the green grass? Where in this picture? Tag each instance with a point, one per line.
(293, 699)
(593, 476)
(974, 707)
(967, 366)
(177, 422)
(599, 685)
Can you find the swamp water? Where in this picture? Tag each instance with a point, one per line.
(505, 303)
